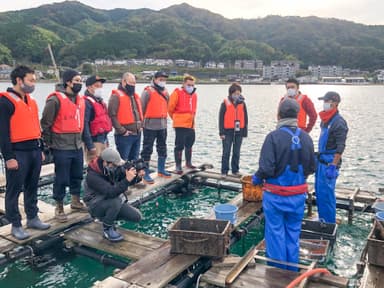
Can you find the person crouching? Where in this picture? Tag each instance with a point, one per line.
(104, 186)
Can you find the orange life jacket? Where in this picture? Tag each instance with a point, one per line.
(157, 106)
(233, 114)
(186, 103)
(70, 118)
(24, 123)
(302, 115)
(101, 123)
(125, 114)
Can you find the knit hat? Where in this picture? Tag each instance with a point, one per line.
(69, 74)
(111, 155)
(288, 108)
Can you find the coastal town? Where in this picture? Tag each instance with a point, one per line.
(243, 71)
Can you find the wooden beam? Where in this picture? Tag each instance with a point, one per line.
(239, 266)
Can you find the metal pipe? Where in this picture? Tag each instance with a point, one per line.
(188, 279)
(102, 258)
(217, 176)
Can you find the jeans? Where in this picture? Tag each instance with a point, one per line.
(149, 140)
(69, 166)
(231, 140)
(25, 178)
(128, 146)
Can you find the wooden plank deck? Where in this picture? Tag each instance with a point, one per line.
(373, 277)
(73, 217)
(159, 267)
(264, 276)
(134, 246)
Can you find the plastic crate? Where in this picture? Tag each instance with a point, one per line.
(375, 248)
(319, 230)
(202, 237)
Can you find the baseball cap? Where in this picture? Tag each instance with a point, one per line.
(289, 108)
(93, 79)
(160, 74)
(111, 155)
(331, 96)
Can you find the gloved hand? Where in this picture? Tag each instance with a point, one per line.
(256, 180)
(331, 172)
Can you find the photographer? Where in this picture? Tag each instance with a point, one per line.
(107, 179)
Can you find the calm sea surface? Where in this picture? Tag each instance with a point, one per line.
(363, 166)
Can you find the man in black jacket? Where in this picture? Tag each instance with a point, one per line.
(104, 185)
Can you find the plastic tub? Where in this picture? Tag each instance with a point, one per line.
(378, 206)
(380, 216)
(226, 212)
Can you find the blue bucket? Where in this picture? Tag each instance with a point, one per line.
(226, 212)
(380, 216)
(378, 206)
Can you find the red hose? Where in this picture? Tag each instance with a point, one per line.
(306, 275)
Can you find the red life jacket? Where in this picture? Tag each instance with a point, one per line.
(233, 114)
(157, 106)
(101, 123)
(24, 123)
(70, 118)
(125, 114)
(186, 102)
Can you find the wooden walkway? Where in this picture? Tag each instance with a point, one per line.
(373, 277)
(160, 267)
(264, 276)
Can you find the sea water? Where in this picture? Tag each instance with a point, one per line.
(361, 106)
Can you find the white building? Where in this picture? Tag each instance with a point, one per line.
(279, 71)
(380, 76)
(248, 64)
(325, 71)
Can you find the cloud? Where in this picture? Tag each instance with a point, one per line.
(341, 9)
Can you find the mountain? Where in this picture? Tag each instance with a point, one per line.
(80, 33)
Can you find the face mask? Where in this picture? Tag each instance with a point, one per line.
(189, 89)
(130, 89)
(161, 84)
(291, 92)
(28, 89)
(99, 93)
(76, 88)
(327, 106)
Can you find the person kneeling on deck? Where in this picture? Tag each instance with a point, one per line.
(106, 181)
(286, 159)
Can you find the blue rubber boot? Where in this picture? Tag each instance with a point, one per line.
(147, 177)
(161, 168)
(111, 234)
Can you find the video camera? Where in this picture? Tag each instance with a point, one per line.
(138, 164)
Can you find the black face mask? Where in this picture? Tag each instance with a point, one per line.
(130, 89)
(76, 88)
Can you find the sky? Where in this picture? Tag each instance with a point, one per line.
(360, 11)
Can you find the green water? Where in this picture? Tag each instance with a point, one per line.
(68, 270)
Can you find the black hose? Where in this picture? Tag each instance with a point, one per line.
(102, 258)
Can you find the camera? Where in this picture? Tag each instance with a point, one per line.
(138, 164)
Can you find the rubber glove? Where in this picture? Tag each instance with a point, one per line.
(256, 180)
(331, 172)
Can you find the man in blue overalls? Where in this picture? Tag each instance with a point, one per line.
(332, 140)
(286, 159)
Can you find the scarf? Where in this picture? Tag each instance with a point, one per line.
(292, 122)
(325, 116)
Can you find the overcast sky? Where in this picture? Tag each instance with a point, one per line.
(361, 11)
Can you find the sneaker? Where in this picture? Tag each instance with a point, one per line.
(111, 234)
(237, 174)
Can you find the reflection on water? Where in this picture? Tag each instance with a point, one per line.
(361, 106)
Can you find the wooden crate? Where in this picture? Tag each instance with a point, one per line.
(375, 249)
(204, 237)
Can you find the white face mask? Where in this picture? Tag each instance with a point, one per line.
(291, 92)
(327, 106)
(161, 84)
(99, 92)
